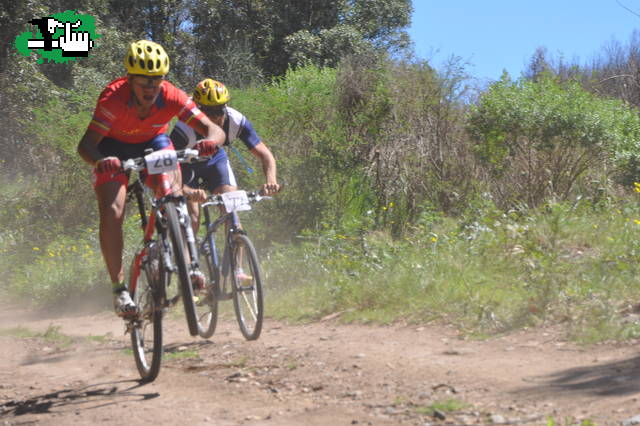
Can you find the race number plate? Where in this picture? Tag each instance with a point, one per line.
(161, 161)
(235, 201)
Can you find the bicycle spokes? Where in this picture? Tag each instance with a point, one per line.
(247, 288)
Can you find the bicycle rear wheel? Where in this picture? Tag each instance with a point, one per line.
(207, 298)
(146, 330)
(179, 249)
(247, 292)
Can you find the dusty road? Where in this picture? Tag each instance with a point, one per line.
(323, 373)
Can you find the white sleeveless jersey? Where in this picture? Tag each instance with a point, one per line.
(236, 126)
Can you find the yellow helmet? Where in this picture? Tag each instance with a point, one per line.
(146, 58)
(211, 93)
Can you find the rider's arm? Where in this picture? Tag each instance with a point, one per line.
(247, 134)
(263, 153)
(209, 129)
(88, 147)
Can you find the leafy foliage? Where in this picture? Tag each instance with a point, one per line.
(543, 135)
(399, 182)
(281, 33)
(570, 263)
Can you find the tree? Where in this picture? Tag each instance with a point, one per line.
(280, 33)
(539, 137)
(166, 22)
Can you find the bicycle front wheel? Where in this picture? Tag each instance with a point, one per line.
(179, 252)
(146, 330)
(247, 287)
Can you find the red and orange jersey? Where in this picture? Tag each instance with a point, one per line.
(115, 115)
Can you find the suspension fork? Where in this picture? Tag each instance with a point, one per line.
(185, 222)
(234, 228)
(209, 240)
(141, 255)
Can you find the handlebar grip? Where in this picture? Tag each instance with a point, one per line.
(128, 164)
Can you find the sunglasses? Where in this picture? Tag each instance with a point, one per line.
(148, 82)
(215, 111)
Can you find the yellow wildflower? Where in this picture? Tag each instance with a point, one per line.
(636, 186)
(636, 221)
(36, 249)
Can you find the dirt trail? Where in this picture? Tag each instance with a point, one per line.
(323, 373)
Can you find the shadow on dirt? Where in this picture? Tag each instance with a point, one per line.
(61, 355)
(606, 379)
(82, 398)
(179, 347)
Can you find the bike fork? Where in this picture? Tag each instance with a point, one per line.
(185, 222)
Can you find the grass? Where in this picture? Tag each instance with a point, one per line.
(18, 332)
(449, 405)
(569, 422)
(52, 334)
(575, 264)
(239, 363)
(489, 272)
(177, 355)
(68, 267)
(100, 338)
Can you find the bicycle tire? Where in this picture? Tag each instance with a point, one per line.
(247, 299)
(179, 244)
(148, 297)
(207, 304)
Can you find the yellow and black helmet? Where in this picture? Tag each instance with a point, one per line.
(210, 92)
(145, 57)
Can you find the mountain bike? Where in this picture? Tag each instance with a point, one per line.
(237, 274)
(168, 250)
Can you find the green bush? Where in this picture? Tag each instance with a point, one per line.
(538, 138)
(571, 263)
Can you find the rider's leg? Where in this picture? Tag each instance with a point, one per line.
(111, 200)
(111, 190)
(194, 215)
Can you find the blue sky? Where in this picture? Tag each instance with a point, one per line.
(493, 35)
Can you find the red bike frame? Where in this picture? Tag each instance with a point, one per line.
(162, 188)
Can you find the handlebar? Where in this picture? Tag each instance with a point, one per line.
(183, 156)
(216, 199)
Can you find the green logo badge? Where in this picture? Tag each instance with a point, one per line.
(59, 38)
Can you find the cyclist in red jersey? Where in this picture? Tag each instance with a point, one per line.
(132, 115)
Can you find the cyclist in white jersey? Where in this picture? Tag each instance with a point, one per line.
(216, 175)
